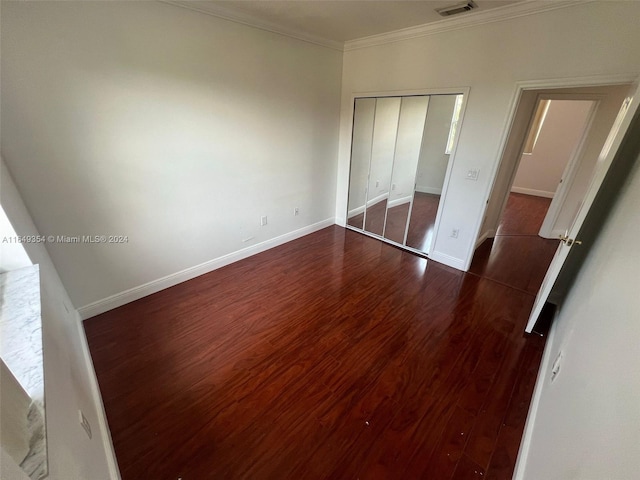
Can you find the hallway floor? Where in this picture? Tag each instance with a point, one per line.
(517, 256)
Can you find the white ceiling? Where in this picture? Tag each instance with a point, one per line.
(339, 20)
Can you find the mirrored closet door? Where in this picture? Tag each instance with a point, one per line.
(399, 158)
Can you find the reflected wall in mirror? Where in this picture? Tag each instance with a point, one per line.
(400, 156)
(437, 144)
(364, 111)
(383, 144)
(413, 113)
(22, 412)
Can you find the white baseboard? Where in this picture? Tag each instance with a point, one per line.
(373, 201)
(355, 211)
(430, 190)
(531, 191)
(377, 199)
(400, 201)
(105, 433)
(358, 210)
(545, 366)
(155, 286)
(447, 260)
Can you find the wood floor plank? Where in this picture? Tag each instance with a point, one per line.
(502, 260)
(505, 451)
(426, 405)
(489, 420)
(333, 356)
(443, 461)
(525, 214)
(467, 469)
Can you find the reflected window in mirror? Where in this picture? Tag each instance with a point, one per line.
(455, 120)
(536, 126)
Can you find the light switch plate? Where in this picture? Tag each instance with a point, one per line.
(473, 174)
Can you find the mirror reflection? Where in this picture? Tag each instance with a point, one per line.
(400, 154)
(360, 158)
(383, 144)
(407, 153)
(22, 414)
(437, 143)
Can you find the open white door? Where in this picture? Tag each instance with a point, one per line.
(569, 240)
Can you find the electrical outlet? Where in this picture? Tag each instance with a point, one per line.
(296, 211)
(454, 233)
(84, 423)
(377, 183)
(263, 220)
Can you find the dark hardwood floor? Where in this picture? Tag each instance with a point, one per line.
(374, 220)
(523, 215)
(421, 220)
(517, 256)
(332, 356)
(396, 223)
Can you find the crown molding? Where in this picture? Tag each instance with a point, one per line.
(228, 14)
(522, 9)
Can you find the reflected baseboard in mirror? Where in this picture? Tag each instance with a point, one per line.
(400, 154)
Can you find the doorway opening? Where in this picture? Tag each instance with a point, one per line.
(547, 167)
(549, 159)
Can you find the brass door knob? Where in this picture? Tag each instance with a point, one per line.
(569, 241)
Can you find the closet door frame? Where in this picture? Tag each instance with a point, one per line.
(445, 187)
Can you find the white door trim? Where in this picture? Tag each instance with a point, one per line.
(519, 88)
(605, 159)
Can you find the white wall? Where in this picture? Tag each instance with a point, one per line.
(12, 254)
(433, 159)
(70, 383)
(540, 172)
(594, 38)
(174, 128)
(585, 424)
